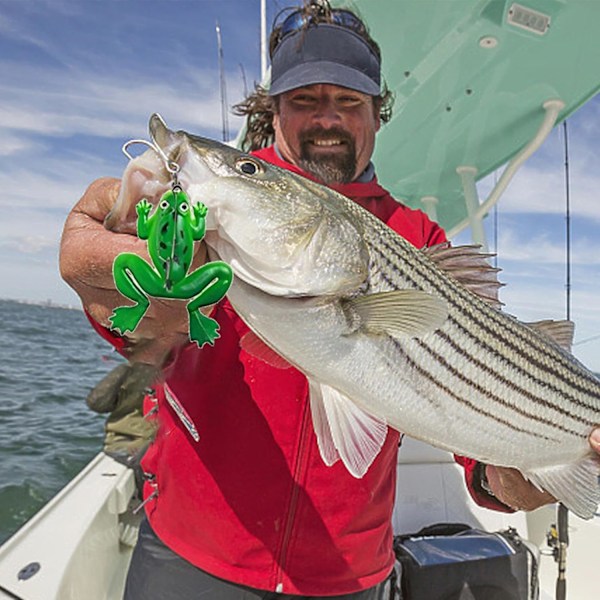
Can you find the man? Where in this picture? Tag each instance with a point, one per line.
(251, 511)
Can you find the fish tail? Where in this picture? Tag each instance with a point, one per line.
(576, 484)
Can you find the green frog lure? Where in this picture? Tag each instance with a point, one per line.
(170, 231)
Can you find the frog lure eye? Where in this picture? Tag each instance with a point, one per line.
(171, 231)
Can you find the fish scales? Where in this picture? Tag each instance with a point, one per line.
(383, 334)
(511, 385)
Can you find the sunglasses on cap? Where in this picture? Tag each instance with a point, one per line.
(299, 19)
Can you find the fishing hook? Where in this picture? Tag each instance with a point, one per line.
(170, 165)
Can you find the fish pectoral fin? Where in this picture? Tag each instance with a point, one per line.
(575, 485)
(400, 313)
(345, 431)
(560, 332)
(254, 346)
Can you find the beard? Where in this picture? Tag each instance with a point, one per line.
(329, 167)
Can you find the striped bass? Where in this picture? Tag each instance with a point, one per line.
(387, 334)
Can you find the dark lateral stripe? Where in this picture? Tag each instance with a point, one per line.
(472, 406)
(570, 387)
(505, 405)
(510, 383)
(499, 332)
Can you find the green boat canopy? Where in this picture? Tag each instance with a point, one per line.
(472, 81)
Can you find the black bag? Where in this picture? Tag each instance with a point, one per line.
(456, 562)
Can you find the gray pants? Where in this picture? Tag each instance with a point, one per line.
(157, 573)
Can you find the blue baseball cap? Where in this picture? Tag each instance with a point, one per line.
(325, 53)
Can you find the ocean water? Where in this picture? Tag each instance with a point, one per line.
(50, 358)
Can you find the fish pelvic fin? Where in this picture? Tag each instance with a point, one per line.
(344, 431)
(576, 485)
(400, 313)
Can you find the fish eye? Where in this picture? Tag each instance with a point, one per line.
(248, 166)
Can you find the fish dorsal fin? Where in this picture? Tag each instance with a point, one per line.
(470, 267)
(399, 313)
(560, 332)
(254, 346)
(344, 430)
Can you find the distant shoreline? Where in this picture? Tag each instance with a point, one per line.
(47, 303)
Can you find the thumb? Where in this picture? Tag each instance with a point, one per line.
(595, 440)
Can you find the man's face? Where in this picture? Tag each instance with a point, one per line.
(327, 130)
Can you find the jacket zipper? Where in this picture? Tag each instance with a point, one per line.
(293, 503)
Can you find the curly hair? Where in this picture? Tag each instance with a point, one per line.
(259, 107)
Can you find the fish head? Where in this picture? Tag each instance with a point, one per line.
(279, 231)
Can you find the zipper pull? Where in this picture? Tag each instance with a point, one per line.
(141, 505)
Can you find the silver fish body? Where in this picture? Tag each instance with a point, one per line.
(385, 336)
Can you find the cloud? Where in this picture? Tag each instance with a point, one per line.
(31, 231)
(538, 190)
(30, 244)
(544, 249)
(50, 183)
(53, 102)
(16, 144)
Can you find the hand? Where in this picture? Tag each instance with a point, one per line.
(87, 253)
(512, 489)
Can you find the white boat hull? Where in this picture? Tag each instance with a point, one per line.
(79, 545)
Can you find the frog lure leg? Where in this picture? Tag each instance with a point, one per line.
(170, 231)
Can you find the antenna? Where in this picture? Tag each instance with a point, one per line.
(263, 39)
(224, 118)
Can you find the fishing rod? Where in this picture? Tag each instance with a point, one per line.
(562, 516)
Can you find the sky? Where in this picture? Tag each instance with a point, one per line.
(78, 78)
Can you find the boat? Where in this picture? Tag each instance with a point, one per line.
(80, 543)
(479, 84)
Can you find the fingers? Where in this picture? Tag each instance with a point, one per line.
(595, 440)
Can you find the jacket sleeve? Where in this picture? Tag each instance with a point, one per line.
(416, 227)
(433, 234)
(480, 496)
(119, 343)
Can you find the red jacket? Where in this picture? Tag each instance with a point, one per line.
(252, 501)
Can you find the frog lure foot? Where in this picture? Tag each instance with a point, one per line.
(170, 231)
